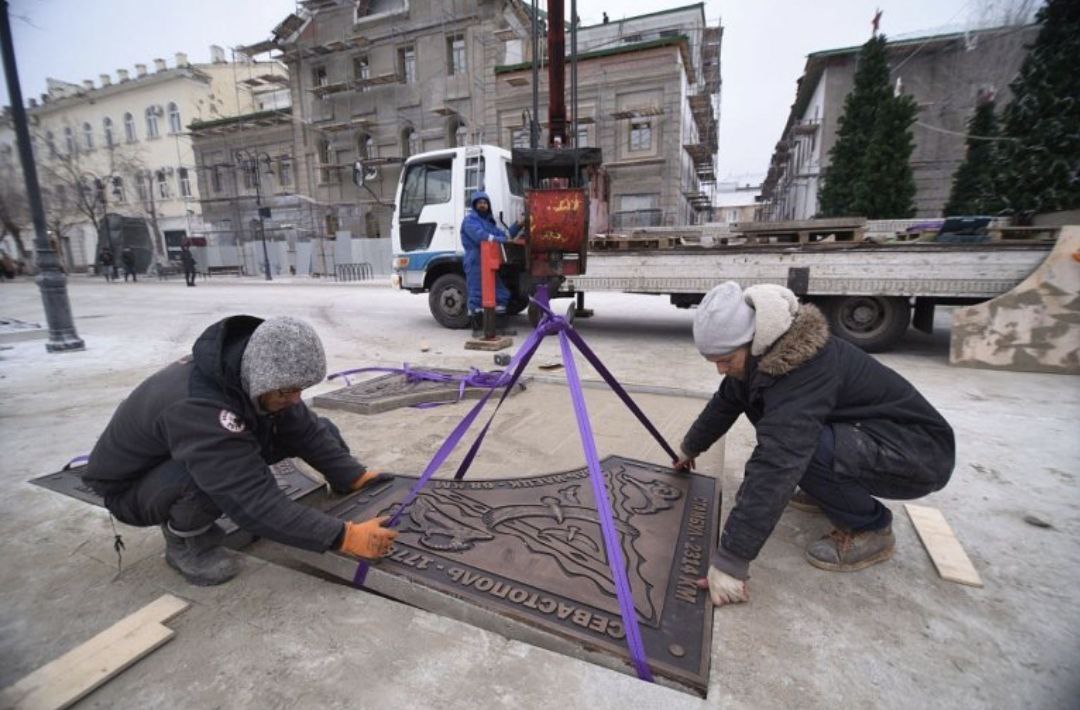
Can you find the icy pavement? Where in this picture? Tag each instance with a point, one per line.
(892, 636)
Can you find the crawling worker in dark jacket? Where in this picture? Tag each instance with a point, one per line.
(195, 439)
(828, 417)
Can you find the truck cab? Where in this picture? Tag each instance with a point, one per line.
(433, 196)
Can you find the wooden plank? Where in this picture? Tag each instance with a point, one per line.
(945, 550)
(72, 676)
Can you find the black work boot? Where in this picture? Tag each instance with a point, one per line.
(805, 502)
(199, 556)
(476, 322)
(849, 551)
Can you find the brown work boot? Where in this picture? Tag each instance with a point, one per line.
(805, 502)
(848, 551)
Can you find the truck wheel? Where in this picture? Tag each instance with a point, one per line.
(873, 323)
(449, 301)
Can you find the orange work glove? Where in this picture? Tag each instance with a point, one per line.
(368, 539)
(368, 478)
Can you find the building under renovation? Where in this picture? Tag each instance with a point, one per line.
(945, 74)
(375, 82)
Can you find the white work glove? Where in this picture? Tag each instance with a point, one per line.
(723, 588)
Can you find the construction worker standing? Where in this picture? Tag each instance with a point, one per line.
(194, 441)
(477, 227)
(828, 417)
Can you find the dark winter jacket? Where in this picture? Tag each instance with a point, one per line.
(805, 381)
(196, 411)
(187, 259)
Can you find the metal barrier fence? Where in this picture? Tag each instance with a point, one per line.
(354, 272)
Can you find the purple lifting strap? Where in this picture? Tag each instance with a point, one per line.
(550, 324)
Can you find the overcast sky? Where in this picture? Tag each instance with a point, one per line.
(764, 48)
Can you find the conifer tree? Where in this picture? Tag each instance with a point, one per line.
(974, 188)
(1041, 153)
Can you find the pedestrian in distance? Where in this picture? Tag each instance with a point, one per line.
(108, 264)
(187, 259)
(829, 419)
(127, 255)
(196, 439)
(479, 226)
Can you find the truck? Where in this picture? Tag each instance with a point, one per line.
(871, 293)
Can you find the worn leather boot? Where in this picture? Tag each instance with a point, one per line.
(805, 502)
(848, 551)
(199, 556)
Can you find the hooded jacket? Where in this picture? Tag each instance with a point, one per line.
(477, 228)
(196, 411)
(800, 379)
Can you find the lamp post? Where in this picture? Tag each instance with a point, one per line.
(51, 279)
(100, 191)
(249, 161)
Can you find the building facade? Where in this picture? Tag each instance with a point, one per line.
(379, 81)
(945, 74)
(122, 148)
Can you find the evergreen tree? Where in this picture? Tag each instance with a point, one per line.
(869, 172)
(886, 186)
(974, 188)
(856, 125)
(1041, 164)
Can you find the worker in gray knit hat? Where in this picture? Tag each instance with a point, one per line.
(829, 419)
(195, 441)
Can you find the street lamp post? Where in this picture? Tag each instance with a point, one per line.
(250, 162)
(100, 188)
(51, 279)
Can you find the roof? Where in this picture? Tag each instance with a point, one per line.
(277, 115)
(622, 49)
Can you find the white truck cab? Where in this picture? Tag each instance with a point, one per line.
(432, 199)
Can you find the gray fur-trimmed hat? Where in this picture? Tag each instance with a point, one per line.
(282, 353)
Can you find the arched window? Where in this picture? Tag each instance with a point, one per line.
(129, 128)
(174, 118)
(88, 136)
(50, 141)
(365, 147)
(151, 121)
(106, 124)
(69, 140)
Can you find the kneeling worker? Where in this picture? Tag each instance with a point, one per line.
(195, 439)
(828, 417)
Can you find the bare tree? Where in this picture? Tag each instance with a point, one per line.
(14, 216)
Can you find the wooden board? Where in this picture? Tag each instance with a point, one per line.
(945, 550)
(71, 677)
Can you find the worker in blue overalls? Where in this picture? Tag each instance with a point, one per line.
(479, 226)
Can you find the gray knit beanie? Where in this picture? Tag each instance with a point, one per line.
(723, 321)
(282, 353)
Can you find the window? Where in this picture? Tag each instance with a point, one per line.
(246, 172)
(118, 194)
(141, 180)
(365, 147)
(637, 211)
(426, 183)
(455, 54)
(107, 126)
(151, 121)
(519, 137)
(640, 135)
(162, 185)
(361, 71)
(319, 77)
(582, 137)
(474, 176)
(69, 140)
(284, 171)
(512, 180)
(50, 141)
(215, 178)
(410, 142)
(88, 136)
(61, 196)
(457, 134)
(328, 173)
(407, 64)
(174, 118)
(129, 128)
(185, 182)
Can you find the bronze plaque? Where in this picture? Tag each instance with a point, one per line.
(391, 391)
(292, 481)
(531, 549)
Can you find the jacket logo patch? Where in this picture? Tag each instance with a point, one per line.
(230, 421)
